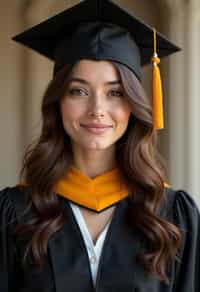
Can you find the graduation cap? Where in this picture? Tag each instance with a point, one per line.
(102, 30)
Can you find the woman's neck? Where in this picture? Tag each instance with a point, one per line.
(95, 163)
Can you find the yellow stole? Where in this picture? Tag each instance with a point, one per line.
(96, 193)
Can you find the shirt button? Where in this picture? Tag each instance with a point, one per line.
(93, 259)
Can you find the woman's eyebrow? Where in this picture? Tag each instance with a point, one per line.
(76, 79)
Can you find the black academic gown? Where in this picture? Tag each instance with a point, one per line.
(67, 268)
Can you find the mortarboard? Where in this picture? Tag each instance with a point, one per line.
(101, 30)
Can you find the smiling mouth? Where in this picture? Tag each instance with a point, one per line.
(96, 130)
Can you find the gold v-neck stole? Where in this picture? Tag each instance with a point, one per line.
(96, 193)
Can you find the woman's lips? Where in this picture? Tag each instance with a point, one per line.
(95, 125)
(97, 129)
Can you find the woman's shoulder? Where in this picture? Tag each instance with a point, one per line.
(12, 200)
(182, 207)
(181, 199)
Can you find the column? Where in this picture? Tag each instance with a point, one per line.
(184, 101)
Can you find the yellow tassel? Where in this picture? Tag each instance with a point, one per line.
(157, 96)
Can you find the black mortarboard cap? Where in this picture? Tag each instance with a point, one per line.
(96, 29)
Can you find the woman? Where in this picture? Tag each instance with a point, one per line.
(93, 212)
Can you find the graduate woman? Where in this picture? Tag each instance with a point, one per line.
(92, 211)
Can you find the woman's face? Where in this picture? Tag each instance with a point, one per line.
(94, 97)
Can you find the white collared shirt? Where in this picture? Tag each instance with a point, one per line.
(94, 251)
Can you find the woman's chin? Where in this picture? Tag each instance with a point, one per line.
(95, 145)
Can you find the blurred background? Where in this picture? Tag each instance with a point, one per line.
(25, 75)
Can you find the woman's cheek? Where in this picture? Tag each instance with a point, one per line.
(70, 110)
(122, 114)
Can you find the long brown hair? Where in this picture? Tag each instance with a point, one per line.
(47, 160)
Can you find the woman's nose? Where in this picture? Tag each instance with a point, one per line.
(97, 106)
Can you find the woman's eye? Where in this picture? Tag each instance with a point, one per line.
(117, 93)
(77, 91)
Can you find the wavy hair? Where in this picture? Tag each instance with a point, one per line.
(48, 158)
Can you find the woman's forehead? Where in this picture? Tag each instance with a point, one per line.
(93, 70)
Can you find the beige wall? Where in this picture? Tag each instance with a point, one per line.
(10, 93)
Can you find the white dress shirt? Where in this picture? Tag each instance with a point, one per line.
(94, 251)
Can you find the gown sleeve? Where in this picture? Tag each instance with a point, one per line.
(9, 267)
(188, 268)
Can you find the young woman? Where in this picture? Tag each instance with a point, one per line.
(92, 211)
